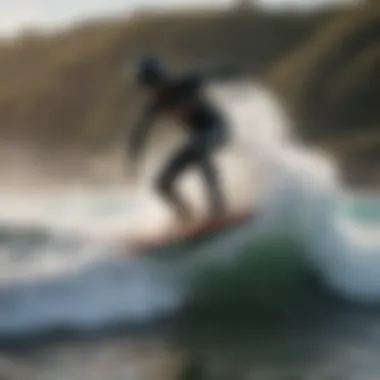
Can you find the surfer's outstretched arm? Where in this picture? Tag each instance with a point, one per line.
(221, 73)
(140, 132)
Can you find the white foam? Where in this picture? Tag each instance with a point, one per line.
(305, 194)
(82, 283)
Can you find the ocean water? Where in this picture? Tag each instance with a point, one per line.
(363, 208)
(65, 261)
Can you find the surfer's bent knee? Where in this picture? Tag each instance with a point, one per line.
(217, 137)
(224, 136)
(164, 185)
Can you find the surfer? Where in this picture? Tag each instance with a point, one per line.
(182, 98)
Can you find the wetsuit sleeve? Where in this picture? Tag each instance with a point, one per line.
(192, 82)
(219, 73)
(141, 130)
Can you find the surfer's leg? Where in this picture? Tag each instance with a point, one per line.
(210, 141)
(212, 180)
(166, 181)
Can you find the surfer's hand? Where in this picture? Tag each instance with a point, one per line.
(133, 153)
(132, 175)
(131, 181)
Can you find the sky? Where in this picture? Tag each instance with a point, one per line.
(18, 14)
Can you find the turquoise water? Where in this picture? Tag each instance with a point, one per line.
(363, 209)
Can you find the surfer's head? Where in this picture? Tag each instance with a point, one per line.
(150, 73)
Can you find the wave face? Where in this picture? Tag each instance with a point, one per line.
(64, 254)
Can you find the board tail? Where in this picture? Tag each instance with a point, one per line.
(197, 230)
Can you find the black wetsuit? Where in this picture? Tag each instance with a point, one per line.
(183, 98)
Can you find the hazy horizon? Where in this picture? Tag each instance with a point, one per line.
(20, 14)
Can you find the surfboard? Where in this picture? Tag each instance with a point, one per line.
(202, 229)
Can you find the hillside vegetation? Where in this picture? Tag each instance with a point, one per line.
(331, 84)
(76, 87)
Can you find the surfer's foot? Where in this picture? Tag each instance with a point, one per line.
(186, 220)
(181, 225)
(217, 212)
(183, 215)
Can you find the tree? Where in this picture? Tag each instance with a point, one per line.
(244, 4)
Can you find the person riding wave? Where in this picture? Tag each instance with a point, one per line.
(207, 128)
